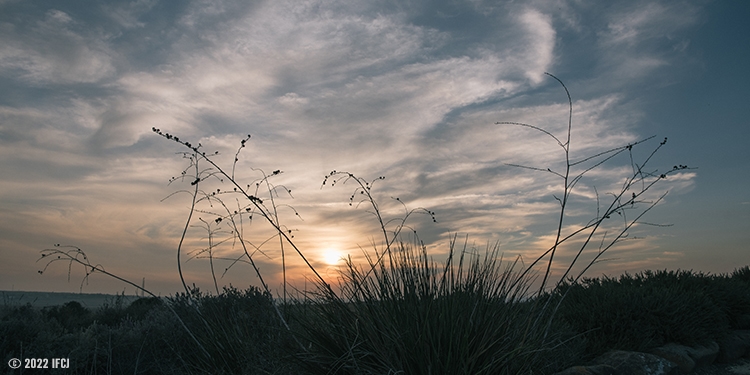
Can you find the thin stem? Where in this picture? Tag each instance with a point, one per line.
(97, 268)
(566, 192)
(255, 201)
(210, 254)
(184, 230)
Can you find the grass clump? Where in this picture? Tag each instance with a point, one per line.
(410, 315)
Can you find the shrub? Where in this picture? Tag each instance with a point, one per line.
(72, 316)
(26, 332)
(239, 329)
(141, 307)
(642, 311)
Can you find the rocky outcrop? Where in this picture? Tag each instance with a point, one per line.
(589, 370)
(670, 359)
(688, 358)
(734, 346)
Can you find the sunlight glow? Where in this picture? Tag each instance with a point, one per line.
(332, 257)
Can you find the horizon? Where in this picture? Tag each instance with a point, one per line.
(411, 92)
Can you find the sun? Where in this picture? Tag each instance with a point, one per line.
(332, 257)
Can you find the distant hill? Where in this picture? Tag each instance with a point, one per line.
(43, 299)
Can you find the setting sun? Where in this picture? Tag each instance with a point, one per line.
(332, 256)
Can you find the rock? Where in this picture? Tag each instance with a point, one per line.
(636, 363)
(704, 355)
(688, 358)
(670, 359)
(619, 362)
(589, 370)
(734, 346)
(678, 355)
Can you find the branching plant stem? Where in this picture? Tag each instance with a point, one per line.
(76, 255)
(255, 201)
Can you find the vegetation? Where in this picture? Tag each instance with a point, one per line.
(402, 311)
(460, 329)
(650, 309)
(417, 317)
(238, 328)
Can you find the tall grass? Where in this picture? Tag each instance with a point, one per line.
(402, 311)
(408, 314)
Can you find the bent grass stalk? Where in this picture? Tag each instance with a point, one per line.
(76, 255)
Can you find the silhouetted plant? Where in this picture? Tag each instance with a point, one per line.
(363, 194)
(255, 204)
(630, 197)
(404, 313)
(631, 193)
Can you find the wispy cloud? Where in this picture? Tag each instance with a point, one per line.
(54, 50)
(642, 37)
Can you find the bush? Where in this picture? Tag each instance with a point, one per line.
(72, 316)
(140, 308)
(26, 332)
(239, 330)
(646, 310)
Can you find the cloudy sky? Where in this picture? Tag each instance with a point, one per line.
(407, 90)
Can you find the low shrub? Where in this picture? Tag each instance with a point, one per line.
(72, 316)
(239, 330)
(646, 310)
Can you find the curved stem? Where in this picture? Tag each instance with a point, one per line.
(187, 225)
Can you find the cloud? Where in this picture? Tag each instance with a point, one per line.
(127, 14)
(54, 50)
(540, 41)
(642, 37)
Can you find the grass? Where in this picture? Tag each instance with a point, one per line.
(402, 311)
(413, 316)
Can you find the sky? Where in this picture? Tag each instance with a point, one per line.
(409, 90)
